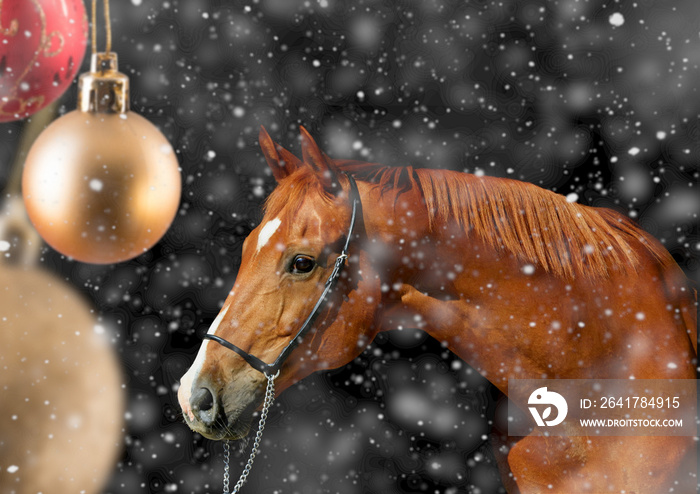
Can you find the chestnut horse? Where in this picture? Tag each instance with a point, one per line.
(514, 279)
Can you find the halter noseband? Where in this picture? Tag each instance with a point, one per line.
(273, 368)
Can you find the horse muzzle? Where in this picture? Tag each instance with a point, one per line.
(220, 414)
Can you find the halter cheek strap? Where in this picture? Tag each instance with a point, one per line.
(273, 368)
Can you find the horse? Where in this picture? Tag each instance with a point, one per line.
(516, 280)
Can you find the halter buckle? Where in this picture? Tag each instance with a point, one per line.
(339, 264)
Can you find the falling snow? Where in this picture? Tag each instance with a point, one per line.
(616, 19)
(96, 185)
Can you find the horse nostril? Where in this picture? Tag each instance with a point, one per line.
(202, 400)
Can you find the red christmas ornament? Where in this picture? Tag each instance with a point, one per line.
(42, 44)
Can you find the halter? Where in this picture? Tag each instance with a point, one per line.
(273, 368)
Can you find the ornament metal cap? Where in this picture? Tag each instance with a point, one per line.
(104, 89)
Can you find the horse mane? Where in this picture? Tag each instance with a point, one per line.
(534, 224)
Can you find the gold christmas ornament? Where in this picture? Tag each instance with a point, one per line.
(61, 402)
(61, 398)
(101, 184)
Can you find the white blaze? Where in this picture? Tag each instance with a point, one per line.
(185, 390)
(215, 325)
(267, 231)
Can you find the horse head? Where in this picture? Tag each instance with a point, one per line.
(285, 263)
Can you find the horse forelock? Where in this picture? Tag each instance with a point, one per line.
(534, 224)
(290, 193)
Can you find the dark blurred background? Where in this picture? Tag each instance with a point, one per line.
(597, 98)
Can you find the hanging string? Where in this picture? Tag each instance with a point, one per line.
(108, 27)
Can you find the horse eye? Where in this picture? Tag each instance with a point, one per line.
(302, 264)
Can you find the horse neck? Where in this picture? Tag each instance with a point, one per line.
(407, 246)
(452, 285)
(512, 318)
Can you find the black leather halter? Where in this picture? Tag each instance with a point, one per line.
(273, 368)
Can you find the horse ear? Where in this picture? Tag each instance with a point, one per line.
(281, 162)
(313, 156)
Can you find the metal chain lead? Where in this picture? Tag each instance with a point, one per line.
(269, 398)
(227, 459)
